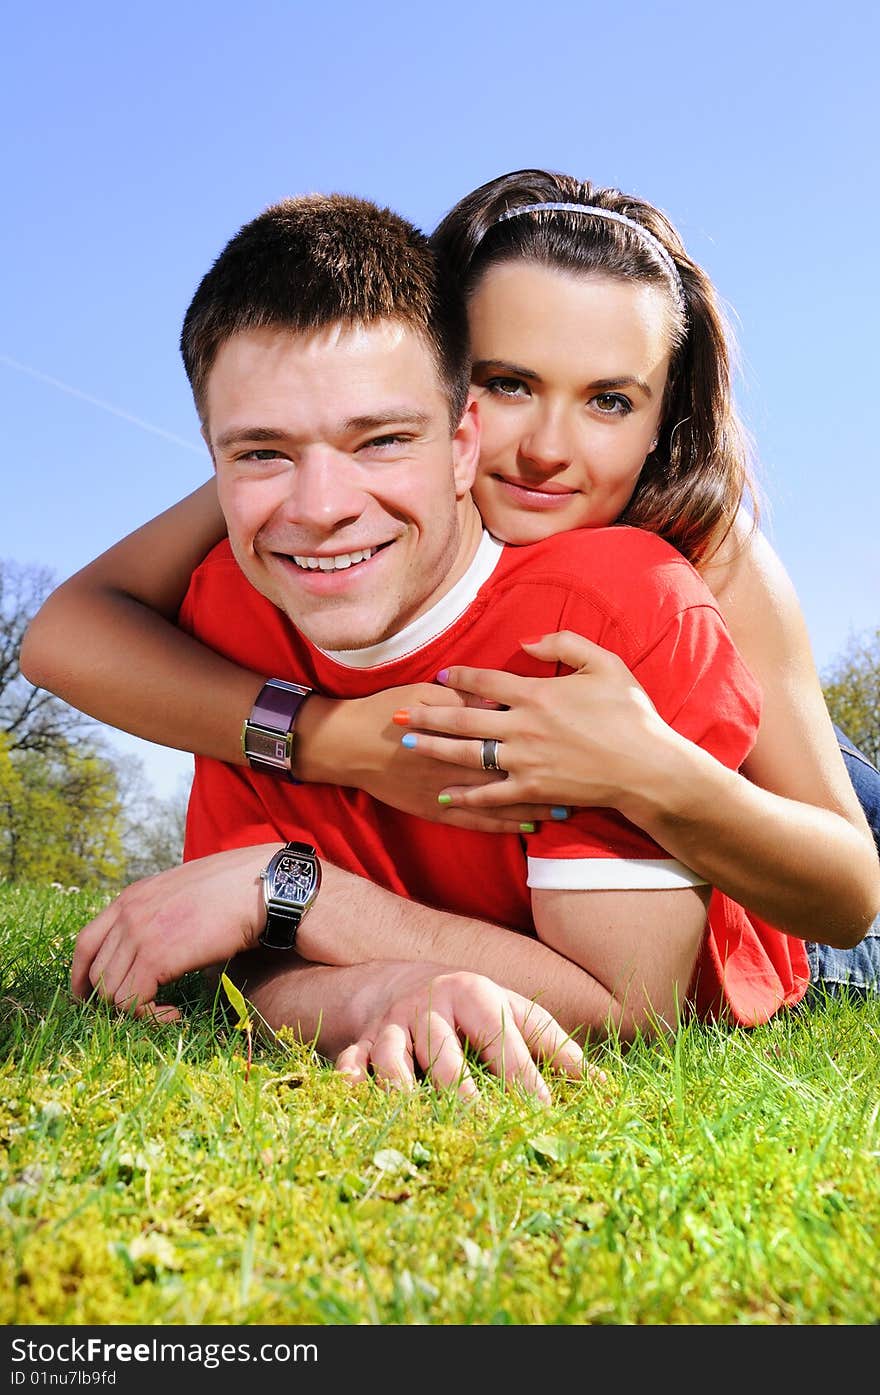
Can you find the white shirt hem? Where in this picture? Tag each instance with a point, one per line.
(610, 874)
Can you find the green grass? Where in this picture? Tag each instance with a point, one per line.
(728, 1177)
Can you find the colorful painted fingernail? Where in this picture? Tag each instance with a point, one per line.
(532, 639)
(401, 717)
(559, 812)
(443, 675)
(527, 828)
(444, 799)
(409, 740)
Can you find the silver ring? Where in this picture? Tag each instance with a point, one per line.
(489, 753)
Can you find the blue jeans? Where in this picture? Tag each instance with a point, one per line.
(833, 971)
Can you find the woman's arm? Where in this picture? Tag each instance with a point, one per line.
(787, 838)
(106, 641)
(800, 789)
(797, 852)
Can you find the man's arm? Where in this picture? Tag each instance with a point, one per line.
(392, 1021)
(603, 959)
(641, 946)
(211, 909)
(360, 921)
(391, 1018)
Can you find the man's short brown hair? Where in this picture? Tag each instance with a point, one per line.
(324, 259)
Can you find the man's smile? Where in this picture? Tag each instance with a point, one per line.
(329, 572)
(337, 562)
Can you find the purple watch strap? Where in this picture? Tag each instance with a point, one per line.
(267, 733)
(277, 704)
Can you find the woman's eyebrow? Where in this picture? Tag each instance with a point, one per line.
(627, 380)
(516, 370)
(500, 365)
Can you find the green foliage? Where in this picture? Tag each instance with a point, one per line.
(236, 999)
(69, 812)
(852, 692)
(32, 718)
(726, 1177)
(244, 1023)
(59, 817)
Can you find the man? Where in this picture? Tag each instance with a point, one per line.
(329, 366)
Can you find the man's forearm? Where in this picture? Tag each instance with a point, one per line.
(210, 910)
(328, 1005)
(353, 920)
(398, 1023)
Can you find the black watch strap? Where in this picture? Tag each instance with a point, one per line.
(281, 926)
(296, 892)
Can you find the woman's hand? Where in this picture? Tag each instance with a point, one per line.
(584, 739)
(356, 742)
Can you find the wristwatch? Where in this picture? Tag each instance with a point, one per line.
(267, 734)
(291, 882)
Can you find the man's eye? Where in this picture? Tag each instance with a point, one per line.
(384, 442)
(506, 387)
(262, 455)
(613, 404)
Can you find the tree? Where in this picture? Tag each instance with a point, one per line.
(69, 811)
(31, 718)
(60, 817)
(152, 827)
(852, 692)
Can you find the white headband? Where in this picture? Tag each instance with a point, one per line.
(655, 245)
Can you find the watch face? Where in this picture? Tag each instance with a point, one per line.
(295, 878)
(267, 745)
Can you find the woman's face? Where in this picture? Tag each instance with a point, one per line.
(570, 372)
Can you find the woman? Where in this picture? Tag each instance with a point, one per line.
(602, 372)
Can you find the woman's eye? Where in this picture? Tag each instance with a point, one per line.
(613, 404)
(506, 387)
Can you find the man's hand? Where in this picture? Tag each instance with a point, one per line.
(159, 928)
(430, 1012)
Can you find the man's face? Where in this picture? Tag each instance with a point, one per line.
(344, 490)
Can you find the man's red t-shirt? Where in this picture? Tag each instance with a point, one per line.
(623, 588)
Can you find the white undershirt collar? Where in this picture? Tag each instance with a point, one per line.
(434, 621)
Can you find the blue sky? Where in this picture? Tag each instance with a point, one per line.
(137, 139)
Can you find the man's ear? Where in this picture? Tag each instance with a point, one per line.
(466, 447)
(207, 440)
